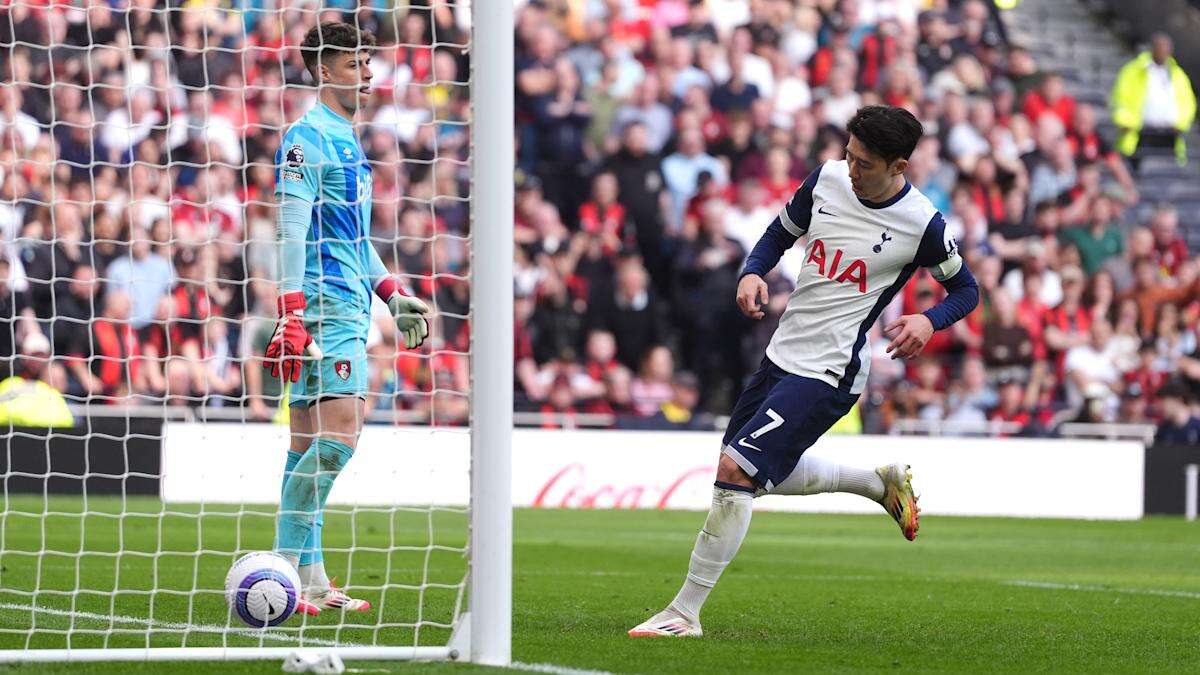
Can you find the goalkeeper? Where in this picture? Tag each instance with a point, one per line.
(328, 271)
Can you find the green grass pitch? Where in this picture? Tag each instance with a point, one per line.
(806, 593)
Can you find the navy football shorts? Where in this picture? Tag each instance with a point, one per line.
(778, 416)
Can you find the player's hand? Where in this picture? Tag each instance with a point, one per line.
(914, 331)
(291, 339)
(752, 296)
(407, 311)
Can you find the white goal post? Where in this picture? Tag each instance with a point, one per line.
(492, 336)
(481, 633)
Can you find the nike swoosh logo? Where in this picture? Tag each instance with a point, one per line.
(742, 442)
(821, 210)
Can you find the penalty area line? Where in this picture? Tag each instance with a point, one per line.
(1103, 589)
(174, 625)
(553, 669)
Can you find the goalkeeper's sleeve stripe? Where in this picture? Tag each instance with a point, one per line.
(291, 227)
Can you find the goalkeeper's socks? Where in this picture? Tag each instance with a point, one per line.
(724, 529)
(814, 475)
(312, 546)
(305, 492)
(293, 458)
(289, 466)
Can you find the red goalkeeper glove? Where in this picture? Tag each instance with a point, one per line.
(291, 339)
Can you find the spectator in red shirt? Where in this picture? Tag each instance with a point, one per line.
(108, 360)
(879, 51)
(1012, 407)
(1069, 323)
(652, 386)
(1031, 313)
(606, 386)
(900, 84)
(985, 190)
(699, 113)
(1088, 145)
(708, 189)
(525, 368)
(825, 59)
(413, 50)
(778, 185)
(1146, 379)
(1169, 245)
(604, 216)
(559, 411)
(1051, 97)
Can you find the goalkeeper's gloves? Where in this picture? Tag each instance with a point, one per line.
(408, 312)
(291, 339)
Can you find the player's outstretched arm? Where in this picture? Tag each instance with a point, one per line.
(407, 311)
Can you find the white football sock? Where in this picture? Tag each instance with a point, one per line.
(294, 559)
(863, 482)
(313, 578)
(811, 476)
(724, 529)
(814, 475)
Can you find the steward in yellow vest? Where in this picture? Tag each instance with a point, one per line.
(1153, 96)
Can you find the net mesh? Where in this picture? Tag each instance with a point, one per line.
(138, 275)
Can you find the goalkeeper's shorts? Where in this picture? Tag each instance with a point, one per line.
(778, 416)
(342, 370)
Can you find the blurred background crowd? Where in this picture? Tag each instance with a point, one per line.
(655, 140)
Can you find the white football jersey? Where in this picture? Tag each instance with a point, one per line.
(858, 256)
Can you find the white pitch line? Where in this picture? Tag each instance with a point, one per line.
(173, 625)
(743, 575)
(553, 669)
(1103, 589)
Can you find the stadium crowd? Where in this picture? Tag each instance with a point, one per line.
(655, 141)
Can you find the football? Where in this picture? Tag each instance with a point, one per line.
(262, 589)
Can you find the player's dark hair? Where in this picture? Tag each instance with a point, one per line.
(331, 36)
(887, 131)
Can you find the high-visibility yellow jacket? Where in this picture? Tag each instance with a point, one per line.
(25, 403)
(1129, 96)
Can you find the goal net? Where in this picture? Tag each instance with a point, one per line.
(144, 441)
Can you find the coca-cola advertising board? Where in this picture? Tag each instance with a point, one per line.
(243, 463)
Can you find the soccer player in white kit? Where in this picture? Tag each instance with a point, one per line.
(868, 231)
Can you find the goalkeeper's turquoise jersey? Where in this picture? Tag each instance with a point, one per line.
(321, 161)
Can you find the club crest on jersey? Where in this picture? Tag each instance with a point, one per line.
(295, 156)
(883, 239)
(342, 368)
(854, 273)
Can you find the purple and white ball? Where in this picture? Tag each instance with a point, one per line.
(262, 589)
